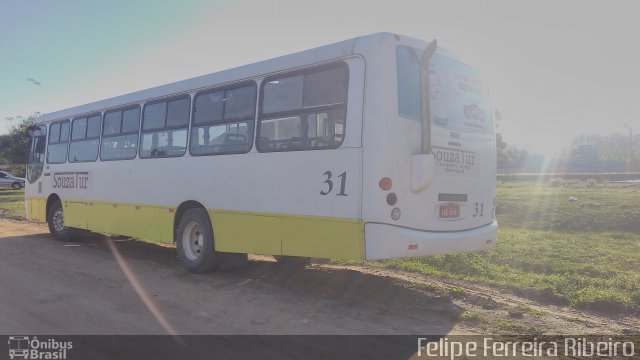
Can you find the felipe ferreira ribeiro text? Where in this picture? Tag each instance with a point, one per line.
(488, 347)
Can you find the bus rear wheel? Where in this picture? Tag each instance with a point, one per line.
(55, 220)
(194, 242)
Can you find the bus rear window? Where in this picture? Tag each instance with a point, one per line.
(459, 99)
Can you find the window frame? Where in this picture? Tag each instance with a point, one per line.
(85, 138)
(302, 110)
(58, 142)
(249, 120)
(187, 126)
(122, 110)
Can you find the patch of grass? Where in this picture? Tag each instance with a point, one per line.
(12, 203)
(577, 206)
(531, 311)
(583, 253)
(587, 270)
(471, 317)
(457, 292)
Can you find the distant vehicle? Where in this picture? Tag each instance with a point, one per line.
(8, 180)
(377, 147)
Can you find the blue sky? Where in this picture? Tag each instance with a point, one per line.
(555, 69)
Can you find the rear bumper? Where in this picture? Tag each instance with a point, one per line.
(384, 241)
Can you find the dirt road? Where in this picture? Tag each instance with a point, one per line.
(104, 286)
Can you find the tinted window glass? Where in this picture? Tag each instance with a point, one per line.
(219, 139)
(163, 143)
(178, 112)
(35, 158)
(459, 98)
(240, 103)
(57, 153)
(208, 107)
(283, 94)
(408, 71)
(314, 103)
(119, 147)
(325, 87)
(112, 123)
(154, 116)
(81, 151)
(64, 131)
(54, 134)
(131, 120)
(79, 129)
(93, 127)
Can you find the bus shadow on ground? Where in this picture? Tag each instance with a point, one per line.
(345, 287)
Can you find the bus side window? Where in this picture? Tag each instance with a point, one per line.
(304, 110)
(58, 142)
(85, 138)
(120, 134)
(164, 128)
(223, 120)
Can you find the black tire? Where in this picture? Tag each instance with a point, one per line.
(55, 221)
(292, 261)
(16, 186)
(194, 242)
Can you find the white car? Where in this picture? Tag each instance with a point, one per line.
(8, 180)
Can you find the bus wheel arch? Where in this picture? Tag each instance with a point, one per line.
(51, 200)
(180, 211)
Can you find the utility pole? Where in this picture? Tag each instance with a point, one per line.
(630, 168)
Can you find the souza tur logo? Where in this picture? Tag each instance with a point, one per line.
(25, 347)
(71, 180)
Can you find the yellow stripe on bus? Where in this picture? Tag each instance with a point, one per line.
(282, 234)
(234, 231)
(36, 209)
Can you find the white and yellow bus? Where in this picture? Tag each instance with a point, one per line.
(377, 147)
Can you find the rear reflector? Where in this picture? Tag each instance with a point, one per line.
(413, 247)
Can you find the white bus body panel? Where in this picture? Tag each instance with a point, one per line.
(385, 241)
(389, 144)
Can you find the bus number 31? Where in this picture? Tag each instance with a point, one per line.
(329, 187)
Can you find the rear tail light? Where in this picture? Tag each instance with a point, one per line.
(385, 183)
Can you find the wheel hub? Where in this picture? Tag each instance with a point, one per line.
(58, 220)
(192, 241)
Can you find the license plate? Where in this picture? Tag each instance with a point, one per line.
(449, 211)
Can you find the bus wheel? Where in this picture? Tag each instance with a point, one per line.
(16, 186)
(55, 220)
(194, 242)
(293, 261)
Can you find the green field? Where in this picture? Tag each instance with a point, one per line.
(12, 203)
(583, 251)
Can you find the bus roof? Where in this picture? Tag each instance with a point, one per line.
(286, 62)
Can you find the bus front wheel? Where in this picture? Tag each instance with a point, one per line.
(194, 242)
(55, 220)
